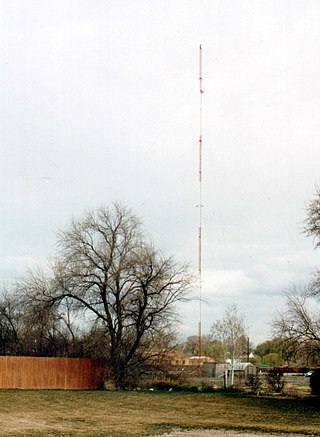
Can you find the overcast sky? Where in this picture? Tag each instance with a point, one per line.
(99, 102)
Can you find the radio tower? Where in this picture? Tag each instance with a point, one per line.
(200, 206)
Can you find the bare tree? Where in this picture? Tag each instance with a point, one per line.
(231, 332)
(110, 273)
(299, 326)
(312, 229)
(31, 327)
(11, 325)
(312, 221)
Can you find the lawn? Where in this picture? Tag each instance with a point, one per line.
(124, 414)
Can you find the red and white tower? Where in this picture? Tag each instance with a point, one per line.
(200, 206)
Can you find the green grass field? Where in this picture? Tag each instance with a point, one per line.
(124, 414)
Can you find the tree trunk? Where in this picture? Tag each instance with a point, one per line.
(232, 372)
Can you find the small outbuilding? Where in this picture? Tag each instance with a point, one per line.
(242, 371)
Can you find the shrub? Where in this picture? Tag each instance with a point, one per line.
(162, 386)
(185, 388)
(207, 389)
(254, 383)
(315, 382)
(276, 381)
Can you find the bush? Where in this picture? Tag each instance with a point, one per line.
(185, 388)
(276, 381)
(162, 386)
(207, 389)
(254, 383)
(315, 382)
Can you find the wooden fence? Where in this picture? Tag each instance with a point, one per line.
(51, 373)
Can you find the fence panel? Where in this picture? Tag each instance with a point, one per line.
(51, 373)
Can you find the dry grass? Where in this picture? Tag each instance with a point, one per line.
(124, 414)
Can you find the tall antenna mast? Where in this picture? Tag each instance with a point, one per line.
(200, 206)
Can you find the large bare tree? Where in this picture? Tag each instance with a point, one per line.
(108, 271)
(299, 324)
